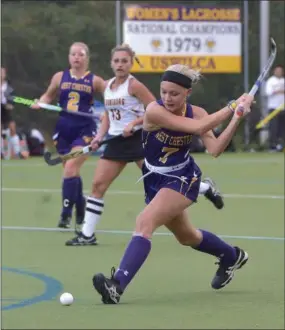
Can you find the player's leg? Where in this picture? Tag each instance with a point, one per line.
(140, 163)
(105, 173)
(85, 137)
(71, 188)
(64, 143)
(230, 258)
(14, 138)
(166, 205)
(209, 189)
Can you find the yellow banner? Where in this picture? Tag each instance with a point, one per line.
(180, 13)
(206, 64)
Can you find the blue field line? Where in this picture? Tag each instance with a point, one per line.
(129, 232)
(52, 288)
(12, 299)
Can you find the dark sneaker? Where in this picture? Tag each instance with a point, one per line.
(213, 194)
(81, 240)
(225, 272)
(64, 222)
(108, 288)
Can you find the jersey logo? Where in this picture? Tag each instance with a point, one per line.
(87, 139)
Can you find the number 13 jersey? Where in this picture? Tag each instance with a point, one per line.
(122, 107)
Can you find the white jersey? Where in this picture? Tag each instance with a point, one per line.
(121, 106)
(273, 84)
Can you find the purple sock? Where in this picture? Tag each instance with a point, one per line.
(135, 255)
(213, 245)
(80, 200)
(69, 195)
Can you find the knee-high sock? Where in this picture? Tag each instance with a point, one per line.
(134, 257)
(203, 188)
(69, 195)
(80, 200)
(212, 244)
(93, 212)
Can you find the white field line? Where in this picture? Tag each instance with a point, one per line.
(133, 192)
(91, 162)
(128, 232)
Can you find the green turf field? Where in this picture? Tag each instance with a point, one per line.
(172, 291)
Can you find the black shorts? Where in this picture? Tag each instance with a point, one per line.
(6, 116)
(127, 149)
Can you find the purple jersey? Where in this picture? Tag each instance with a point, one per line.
(165, 147)
(75, 95)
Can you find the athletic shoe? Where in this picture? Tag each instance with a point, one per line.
(225, 272)
(81, 240)
(108, 288)
(64, 222)
(213, 194)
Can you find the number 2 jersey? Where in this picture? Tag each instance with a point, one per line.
(74, 95)
(122, 107)
(169, 150)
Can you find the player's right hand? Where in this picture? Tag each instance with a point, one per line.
(95, 142)
(35, 105)
(244, 103)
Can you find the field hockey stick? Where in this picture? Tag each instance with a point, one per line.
(263, 74)
(269, 117)
(76, 153)
(50, 107)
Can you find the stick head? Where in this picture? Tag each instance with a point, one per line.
(273, 47)
(50, 161)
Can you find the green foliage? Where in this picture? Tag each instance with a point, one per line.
(36, 36)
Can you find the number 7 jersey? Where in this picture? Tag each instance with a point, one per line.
(165, 147)
(122, 107)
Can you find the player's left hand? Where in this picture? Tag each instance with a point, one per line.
(95, 142)
(128, 130)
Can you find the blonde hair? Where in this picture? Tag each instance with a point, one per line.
(129, 50)
(194, 75)
(82, 45)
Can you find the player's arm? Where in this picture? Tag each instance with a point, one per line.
(143, 94)
(51, 92)
(158, 116)
(104, 127)
(99, 84)
(216, 146)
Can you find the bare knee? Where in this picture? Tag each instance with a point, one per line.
(190, 238)
(99, 187)
(140, 163)
(145, 226)
(71, 169)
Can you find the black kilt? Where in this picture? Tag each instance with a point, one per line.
(127, 149)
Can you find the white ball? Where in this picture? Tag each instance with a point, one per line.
(66, 299)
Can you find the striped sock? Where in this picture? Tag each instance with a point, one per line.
(93, 212)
